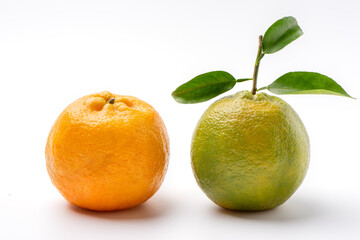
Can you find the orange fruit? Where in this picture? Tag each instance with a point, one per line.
(107, 152)
(250, 152)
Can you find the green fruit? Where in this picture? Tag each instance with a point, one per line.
(250, 152)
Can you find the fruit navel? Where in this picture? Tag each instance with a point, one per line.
(112, 100)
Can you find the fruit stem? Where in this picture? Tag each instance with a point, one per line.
(112, 100)
(259, 56)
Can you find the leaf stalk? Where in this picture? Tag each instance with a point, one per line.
(243, 79)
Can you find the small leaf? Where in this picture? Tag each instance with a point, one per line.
(204, 87)
(280, 34)
(305, 83)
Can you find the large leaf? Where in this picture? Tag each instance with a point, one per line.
(280, 34)
(204, 87)
(305, 83)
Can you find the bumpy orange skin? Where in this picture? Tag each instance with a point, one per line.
(104, 156)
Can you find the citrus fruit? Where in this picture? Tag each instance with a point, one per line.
(249, 152)
(107, 152)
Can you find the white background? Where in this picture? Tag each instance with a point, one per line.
(53, 52)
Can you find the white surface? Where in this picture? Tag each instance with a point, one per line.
(52, 52)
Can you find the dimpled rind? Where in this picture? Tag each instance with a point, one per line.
(250, 152)
(106, 157)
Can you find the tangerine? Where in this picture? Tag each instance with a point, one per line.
(107, 152)
(250, 152)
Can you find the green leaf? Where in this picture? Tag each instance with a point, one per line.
(204, 87)
(280, 34)
(305, 83)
